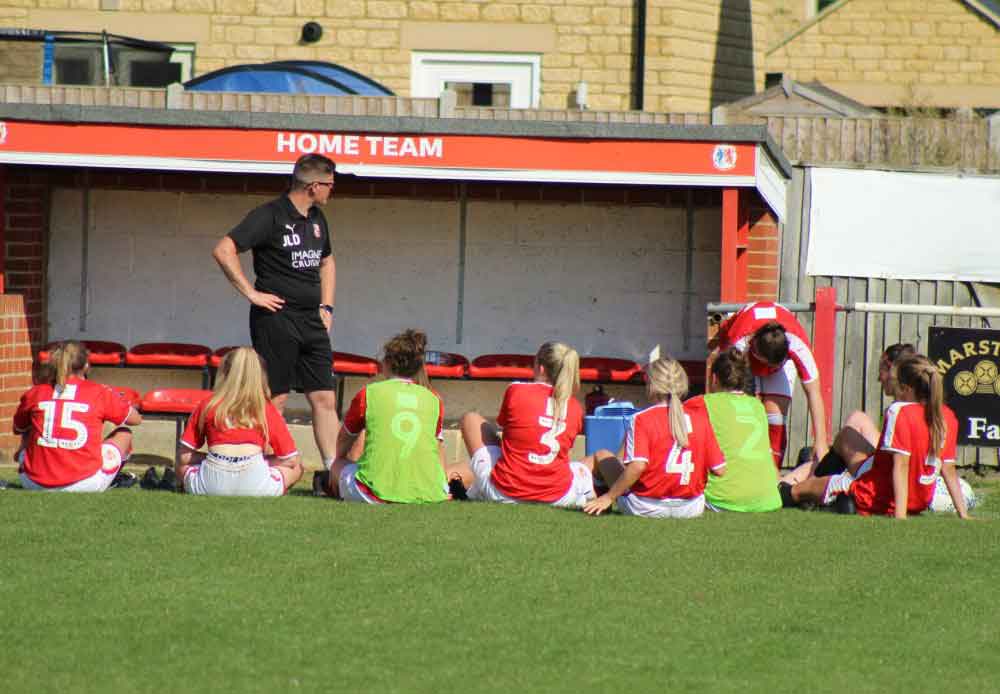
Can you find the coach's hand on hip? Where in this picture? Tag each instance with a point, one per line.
(271, 302)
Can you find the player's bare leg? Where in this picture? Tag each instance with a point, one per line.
(476, 433)
(854, 444)
(776, 407)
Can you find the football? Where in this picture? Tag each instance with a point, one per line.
(941, 503)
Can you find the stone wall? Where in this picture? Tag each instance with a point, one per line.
(906, 53)
(697, 54)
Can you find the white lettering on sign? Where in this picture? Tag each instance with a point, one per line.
(377, 145)
(978, 426)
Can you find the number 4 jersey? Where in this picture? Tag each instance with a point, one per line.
(534, 459)
(64, 429)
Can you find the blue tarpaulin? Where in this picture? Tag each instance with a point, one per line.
(289, 77)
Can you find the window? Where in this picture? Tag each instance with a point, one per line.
(83, 64)
(505, 80)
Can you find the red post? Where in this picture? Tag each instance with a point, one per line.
(735, 238)
(824, 345)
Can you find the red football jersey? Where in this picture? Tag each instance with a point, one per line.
(534, 459)
(672, 472)
(905, 431)
(737, 330)
(65, 429)
(278, 437)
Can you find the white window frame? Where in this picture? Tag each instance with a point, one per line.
(430, 70)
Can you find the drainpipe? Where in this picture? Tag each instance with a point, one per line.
(640, 55)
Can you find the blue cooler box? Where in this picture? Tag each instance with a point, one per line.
(606, 427)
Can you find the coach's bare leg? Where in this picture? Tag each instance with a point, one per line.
(326, 424)
(476, 433)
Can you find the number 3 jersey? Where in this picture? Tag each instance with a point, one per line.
(905, 431)
(64, 429)
(402, 423)
(534, 458)
(671, 472)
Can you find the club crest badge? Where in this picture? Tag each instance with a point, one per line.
(316, 231)
(724, 157)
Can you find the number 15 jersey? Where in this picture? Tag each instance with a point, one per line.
(64, 429)
(534, 458)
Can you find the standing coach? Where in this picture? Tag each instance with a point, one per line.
(292, 299)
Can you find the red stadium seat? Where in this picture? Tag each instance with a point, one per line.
(216, 359)
(175, 401)
(608, 370)
(503, 366)
(102, 353)
(446, 365)
(347, 363)
(177, 354)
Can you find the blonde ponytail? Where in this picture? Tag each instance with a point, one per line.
(668, 381)
(68, 359)
(561, 365)
(241, 393)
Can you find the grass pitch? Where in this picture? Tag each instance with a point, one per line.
(136, 591)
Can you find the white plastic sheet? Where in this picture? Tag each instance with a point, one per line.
(904, 225)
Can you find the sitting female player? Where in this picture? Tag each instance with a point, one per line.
(859, 435)
(778, 350)
(61, 422)
(668, 454)
(238, 423)
(919, 439)
(401, 461)
(740, 426)
(540, 422)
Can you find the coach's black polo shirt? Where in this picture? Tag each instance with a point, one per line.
(287, 249)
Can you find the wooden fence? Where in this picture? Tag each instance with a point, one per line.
(960, 144)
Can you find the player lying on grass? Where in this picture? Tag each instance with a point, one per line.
(859, 432)
(61, 421)
(778, 349)
(540, 421)
(401, 460)
(238, 424)
(740, 426)
(896, 478)
(668, 454)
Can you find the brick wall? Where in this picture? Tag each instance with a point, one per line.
(15, 366)
(25, 212)
(898, 53)
(697, 53)
(763, 254)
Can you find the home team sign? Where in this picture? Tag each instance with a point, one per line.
(161, 147)
(969, 361)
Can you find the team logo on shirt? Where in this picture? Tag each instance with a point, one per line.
(316, 231)
(724, 157)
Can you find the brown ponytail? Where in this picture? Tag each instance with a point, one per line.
(68, 359)
(922, 376)
(561, 365)
(668, 381)
(404, 356)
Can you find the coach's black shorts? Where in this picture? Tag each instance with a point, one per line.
(295, 347)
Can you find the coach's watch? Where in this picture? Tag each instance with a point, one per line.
(327, 307)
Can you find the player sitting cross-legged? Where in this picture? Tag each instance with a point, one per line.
(401, 420)
(61, 421)
(898, 477)
(778, 349)
(238, 424)
(540, 421)
(668, 454)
